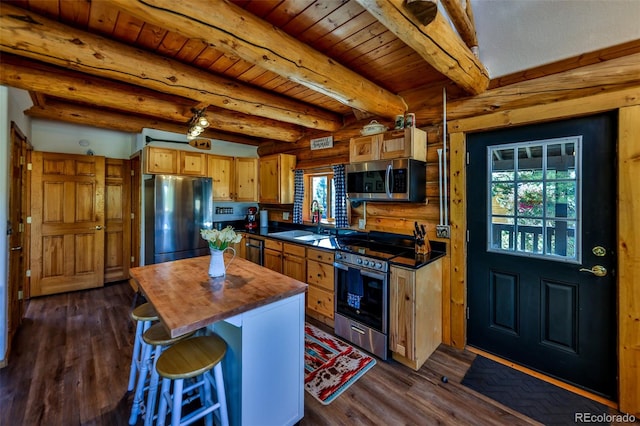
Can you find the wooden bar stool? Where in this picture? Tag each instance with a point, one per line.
(193, 358)
(157, 339)
(143, 315)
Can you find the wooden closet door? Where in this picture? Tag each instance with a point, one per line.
(67, 232)
(117, 216)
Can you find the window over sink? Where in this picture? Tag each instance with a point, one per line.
(319, 196)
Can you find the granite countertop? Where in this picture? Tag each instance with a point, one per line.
(417, 261)
(187, 299)
(408, 259)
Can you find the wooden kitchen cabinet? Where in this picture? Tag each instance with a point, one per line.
(246, 179)
(164, 161)
(234, 178)
(320, 277)
(273, 255)
(161, 161)
(402, 143)
(415, 313)
(294, 262)
(192, 164)
(365, 148)
(276, 178)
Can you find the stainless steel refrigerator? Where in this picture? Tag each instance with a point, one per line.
(176, 208)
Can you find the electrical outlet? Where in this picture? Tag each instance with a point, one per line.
(362, 223)
(443, 231)
(285, 215)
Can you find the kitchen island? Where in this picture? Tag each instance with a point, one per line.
(258, 312)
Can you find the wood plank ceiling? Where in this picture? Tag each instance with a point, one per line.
(264, 69)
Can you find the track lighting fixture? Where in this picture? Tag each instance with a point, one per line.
(197, 124)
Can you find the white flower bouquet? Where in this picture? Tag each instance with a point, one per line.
(220, 240)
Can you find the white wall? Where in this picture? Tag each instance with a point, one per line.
(66, 138)
(4, 215)
(12, 103)
(515, 35)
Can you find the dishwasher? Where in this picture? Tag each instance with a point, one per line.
(255, 250)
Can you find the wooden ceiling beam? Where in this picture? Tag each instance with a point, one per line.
(88, 116)
(229, 28)
(27, 34)
(461, 19)
(437, 43)
(73, 86)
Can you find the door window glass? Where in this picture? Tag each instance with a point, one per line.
(534, 198)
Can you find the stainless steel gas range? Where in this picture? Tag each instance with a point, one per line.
(362, 293)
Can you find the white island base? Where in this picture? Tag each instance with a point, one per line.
(264, 364)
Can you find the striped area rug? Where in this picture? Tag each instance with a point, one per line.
(331, 365)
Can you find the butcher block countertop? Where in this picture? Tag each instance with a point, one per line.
(187, 299)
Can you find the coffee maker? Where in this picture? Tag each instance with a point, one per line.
(252, 219)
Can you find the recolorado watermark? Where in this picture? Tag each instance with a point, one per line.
(603, 418)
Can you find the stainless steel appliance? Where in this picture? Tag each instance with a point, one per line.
(362, 293)
(176, 208)
(255, 250)
(387, 180)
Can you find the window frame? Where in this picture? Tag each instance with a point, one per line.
(577, 140)
(308, 175)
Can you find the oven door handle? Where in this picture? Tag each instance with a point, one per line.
(340, 266)
(372, 275)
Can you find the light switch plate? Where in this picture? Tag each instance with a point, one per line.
(285, 215)
(362, 223)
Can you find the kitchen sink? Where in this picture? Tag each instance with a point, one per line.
(290, 234)
(312, 237)
(298, 235)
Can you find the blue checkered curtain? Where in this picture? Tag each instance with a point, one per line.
(340, 209)
(298, 196)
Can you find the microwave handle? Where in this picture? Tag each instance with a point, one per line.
(387, 179)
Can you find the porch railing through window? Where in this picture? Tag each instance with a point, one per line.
(560, 240)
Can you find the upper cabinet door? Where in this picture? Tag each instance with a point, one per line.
(246, 179)
(221, 173)
(160, 161)
(276, 178)
(193, 164)
(365, 148)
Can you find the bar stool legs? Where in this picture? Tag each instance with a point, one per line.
(188, 359)
(143, 315)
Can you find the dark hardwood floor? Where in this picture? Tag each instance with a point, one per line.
(70, 364)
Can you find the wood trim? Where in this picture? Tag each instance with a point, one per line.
(544, 377)
(629, 260)
(583, 60)
(628, 103)
(457, 209)
(551, 111)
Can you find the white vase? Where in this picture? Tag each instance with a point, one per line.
(217, 267)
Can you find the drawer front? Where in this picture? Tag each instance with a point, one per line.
(293, 249)
(273, 244)
(320, 255)
(320, 274)
(320, 301)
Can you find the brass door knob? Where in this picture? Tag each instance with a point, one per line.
(597, 270)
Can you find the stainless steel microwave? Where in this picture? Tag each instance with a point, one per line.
(387, 180)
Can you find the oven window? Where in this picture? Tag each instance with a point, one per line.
(371, 311)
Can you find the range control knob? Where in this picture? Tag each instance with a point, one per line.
(366, 262)
(359, 261)
(338, 256)
(379, 265)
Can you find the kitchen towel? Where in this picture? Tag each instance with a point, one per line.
(355, 288)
